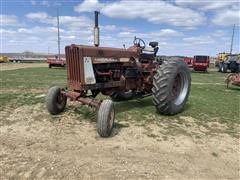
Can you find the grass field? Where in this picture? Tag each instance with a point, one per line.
(209, 101)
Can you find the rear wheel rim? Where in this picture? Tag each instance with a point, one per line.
(180, 88)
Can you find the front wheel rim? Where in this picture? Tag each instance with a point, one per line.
(60, 101)
(111, 118)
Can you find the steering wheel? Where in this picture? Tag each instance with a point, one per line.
(139, 42)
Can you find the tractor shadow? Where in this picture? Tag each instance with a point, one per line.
(141, 105)
(187, 107)
(137, 104)
(90, 115)
(234, 88)
(117, 127)
(86, 113)
(200, 72)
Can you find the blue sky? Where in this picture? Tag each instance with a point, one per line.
(182, 27)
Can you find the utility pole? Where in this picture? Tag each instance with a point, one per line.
(232, 39)
(58, 34)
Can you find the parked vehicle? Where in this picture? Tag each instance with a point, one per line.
(189, 61)
(229, 62)
(200, 63)
(56, 62)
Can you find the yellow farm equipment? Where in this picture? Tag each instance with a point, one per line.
(4, 59)
(222, 56)
(227, 61)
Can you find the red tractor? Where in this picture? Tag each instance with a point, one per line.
(200, 63)
(56, 62)
(121, 74)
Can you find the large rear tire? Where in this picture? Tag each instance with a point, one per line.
(105, 118)
(56, 102)
(171, 86)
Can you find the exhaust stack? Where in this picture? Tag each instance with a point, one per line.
(96, 30)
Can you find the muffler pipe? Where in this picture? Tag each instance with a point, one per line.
(96, 30)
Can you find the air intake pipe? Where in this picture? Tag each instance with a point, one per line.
(96, 30)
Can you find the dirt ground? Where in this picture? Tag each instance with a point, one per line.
(12, 66)
(35, 145)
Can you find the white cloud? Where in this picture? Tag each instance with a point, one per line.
(171, 42)
(9, 20)
(167, 33)
(33, 2)
(57, 4)
(74, 22)
(38, 38)
(162, 36)
(219, 33)
(207, 4)
(88, 6)
(71, 22)
(225, 12)
(45, 3)
(37, 15)
(227, 17)
(129, 29)
(108, 28)
(163, 33)
(5, 33)
(198, 40)
(156, 12)
(43, 36)
(37, 30)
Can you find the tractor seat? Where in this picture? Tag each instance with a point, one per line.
(153, 44)
(150, 52)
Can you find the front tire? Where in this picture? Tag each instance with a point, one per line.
(105, 118)
(56, 102)
(224, 68)
(220, 67)
(171, 86)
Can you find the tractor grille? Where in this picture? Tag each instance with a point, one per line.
(74, 67)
